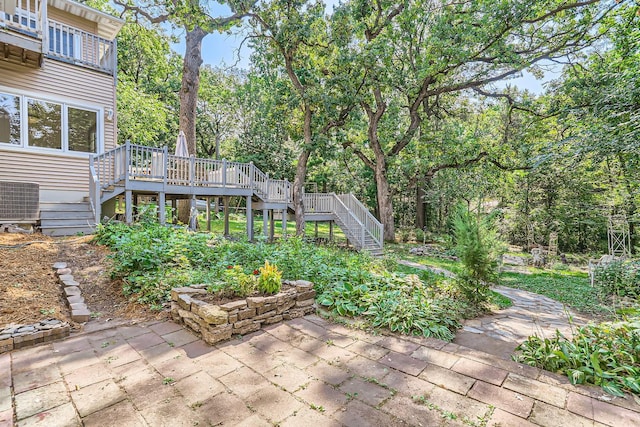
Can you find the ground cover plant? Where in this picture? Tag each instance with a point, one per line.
(151, 259)
(569, 287)
(605, 354)
(619, 278)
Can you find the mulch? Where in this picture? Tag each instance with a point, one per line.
(30, 292)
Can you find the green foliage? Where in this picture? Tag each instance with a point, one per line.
(270, 279)
(151, 259)
(402, 303)
(235, 282)
(620, 278)
(607, 354)
(477, 247)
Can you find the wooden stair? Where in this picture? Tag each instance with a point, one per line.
(66, 219)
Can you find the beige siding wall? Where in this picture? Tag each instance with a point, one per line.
(65, 83)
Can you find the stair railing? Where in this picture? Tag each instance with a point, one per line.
(352, 224)
(94, 191)
(373, 227)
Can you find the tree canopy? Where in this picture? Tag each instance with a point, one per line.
(408, 104)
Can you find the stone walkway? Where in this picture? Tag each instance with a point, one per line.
(500, 333)
(531, 314)
(303, 372)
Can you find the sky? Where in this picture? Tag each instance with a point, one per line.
(221, 50)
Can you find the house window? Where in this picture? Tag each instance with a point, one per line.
(9, 119)
(45, 124)
(82, 130)
(32, 123)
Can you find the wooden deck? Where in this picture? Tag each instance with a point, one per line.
(134, 169)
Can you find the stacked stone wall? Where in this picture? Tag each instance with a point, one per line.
(215, 323)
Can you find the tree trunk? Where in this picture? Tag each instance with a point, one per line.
(189, 100)
(385, 202)
(420, 206)
(190, 85)
(301, 173)
(298, 194)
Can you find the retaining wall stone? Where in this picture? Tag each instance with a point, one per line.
(215, 323)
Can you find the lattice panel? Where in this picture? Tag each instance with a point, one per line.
(19, 201)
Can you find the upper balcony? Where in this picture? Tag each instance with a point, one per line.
(28, 34)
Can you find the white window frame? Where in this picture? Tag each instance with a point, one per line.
(65, 104)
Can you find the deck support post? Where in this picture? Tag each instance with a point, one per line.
(128, 206)
(284, 223)
(272, 227)
(331, 231)
(174, 211)
(208, 199)
(162, 212)
(193, 213)
(316, 229)
(226, 215)
(249, 220)
(265, 223)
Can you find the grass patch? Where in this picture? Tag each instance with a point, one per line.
(568, 287)
(401, 251)
(499, 300)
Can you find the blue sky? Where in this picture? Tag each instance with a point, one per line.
(221, 50)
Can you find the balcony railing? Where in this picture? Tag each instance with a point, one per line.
(59, 41)
(19, 15)
(80, 47)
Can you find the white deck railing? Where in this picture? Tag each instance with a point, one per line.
(355, 217)
(132, 162)
(370, 222)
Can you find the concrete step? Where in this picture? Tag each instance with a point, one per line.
(67, 230)
(80, 215)
(65, 207)
(66, 222)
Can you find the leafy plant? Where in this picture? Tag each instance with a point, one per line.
(620, 278)
(478, 247)
(270, 279)
(605, 354)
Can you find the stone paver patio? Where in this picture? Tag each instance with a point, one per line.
(303, 372)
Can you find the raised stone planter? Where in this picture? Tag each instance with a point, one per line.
(21, 336)
(216, 323)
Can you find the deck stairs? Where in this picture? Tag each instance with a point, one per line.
(151, 170)
(66, 219)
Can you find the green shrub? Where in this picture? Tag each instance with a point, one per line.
(620, 278)
(270, 279)
(607, 354)
(478, 248)
(403, 304)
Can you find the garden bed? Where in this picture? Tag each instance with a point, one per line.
(218, 322)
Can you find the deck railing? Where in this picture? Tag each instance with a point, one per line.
(131, 162)
(60, 41)
(80, 47)
(354, 215)
(19, 15)
(137, 163)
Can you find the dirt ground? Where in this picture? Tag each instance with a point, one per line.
(29, 291)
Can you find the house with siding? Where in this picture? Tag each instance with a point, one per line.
(57, 109)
